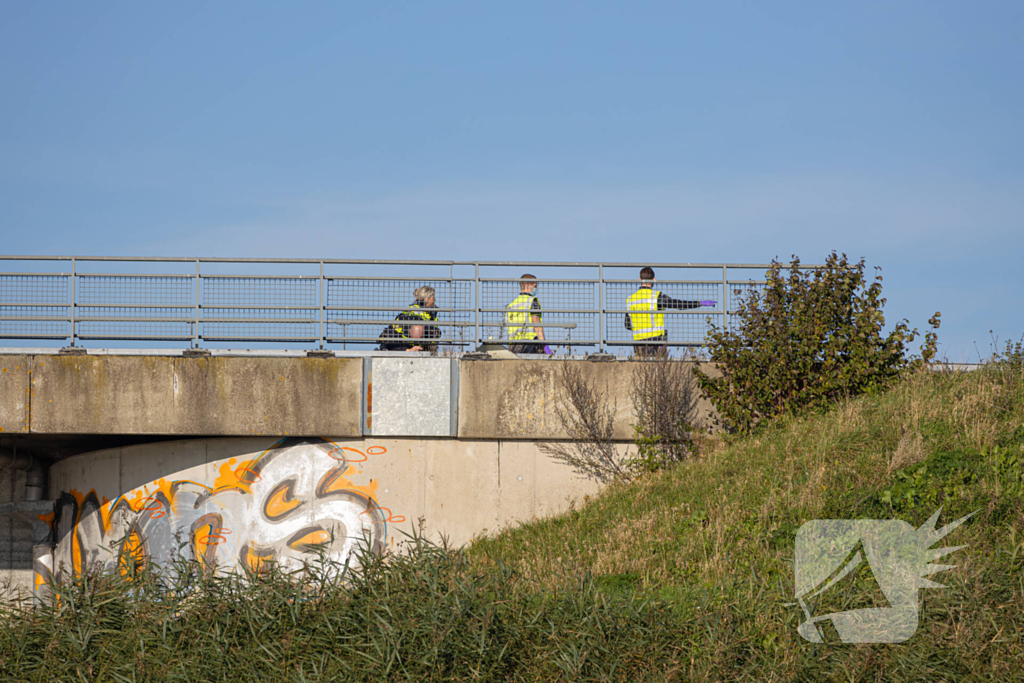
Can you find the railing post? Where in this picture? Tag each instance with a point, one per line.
(451, 304)
(195, 332)
(600, 320)
(725, 298)
(476, 277)
(322, 312)
(72, 302)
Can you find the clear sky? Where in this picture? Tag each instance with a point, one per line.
(693, 132)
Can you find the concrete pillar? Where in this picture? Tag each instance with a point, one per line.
(23, 482)
(15, 539)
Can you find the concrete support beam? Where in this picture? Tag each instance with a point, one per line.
(15, 394)
(195, 396)
(135, 395)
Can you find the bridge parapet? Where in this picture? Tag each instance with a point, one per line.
(395, 396)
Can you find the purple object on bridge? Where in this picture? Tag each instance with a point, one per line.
(710, 304)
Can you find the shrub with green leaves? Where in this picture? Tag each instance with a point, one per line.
(807, 339)
(1008, 364)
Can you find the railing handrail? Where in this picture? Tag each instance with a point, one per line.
(184, 305)
(382, 262)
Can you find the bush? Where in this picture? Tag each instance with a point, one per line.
(1008, 364)
(810, 337)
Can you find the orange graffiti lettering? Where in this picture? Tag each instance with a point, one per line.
(334, 480)
(238, 478)
(280, 501)
(314, 537)
(390, 518)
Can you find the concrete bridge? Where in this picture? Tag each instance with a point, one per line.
(248, 457)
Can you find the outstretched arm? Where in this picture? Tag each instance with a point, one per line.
(665, 302)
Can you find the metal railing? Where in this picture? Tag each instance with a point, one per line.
(324, 303)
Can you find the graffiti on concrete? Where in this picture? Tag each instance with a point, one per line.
(291, 501)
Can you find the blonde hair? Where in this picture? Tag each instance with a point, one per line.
(423, 293)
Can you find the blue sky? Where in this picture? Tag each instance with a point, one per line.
(703, 132)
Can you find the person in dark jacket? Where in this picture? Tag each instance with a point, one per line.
(645, 320)
(412, 327)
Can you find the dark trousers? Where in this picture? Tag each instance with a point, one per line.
(526, 348)
(651, 349)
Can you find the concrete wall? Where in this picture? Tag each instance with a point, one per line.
(516, 399)
(259, 498)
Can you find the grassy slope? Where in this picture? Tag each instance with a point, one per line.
(715, 538)
(683, 576)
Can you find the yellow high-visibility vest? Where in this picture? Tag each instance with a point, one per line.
(402, 331)
(517, 317)
(645, 324)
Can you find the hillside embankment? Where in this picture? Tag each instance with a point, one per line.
(684, 575)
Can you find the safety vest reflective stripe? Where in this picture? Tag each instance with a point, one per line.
(517, 317)
(648, 324)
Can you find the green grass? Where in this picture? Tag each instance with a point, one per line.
(685, 575)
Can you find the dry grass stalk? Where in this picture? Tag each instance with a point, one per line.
(909, 450)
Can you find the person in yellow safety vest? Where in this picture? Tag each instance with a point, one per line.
(520, 313)
(404, 337)
(645, 320)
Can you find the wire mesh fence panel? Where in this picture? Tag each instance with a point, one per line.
(129, 290)
(134, 306)
(22, 289)
(260, 308)
(259, 324)
(34, 306)
(568, 311)
(738, 293)
(685, 311)
(261, 292)
(34, 322)
(133, 322)
(360, 309)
